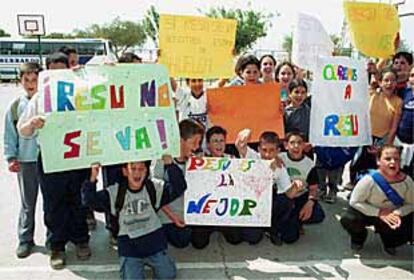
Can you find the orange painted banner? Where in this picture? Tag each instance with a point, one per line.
(256, 107)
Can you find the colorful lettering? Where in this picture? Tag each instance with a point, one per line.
(93, 143)
(124, 138)
(148, 94)
(142, 138)
(115, 102)
(75, 148)
(65, 89)
(341, 125)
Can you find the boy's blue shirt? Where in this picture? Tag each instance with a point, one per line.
(16, 147)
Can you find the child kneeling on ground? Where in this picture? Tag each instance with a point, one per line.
(135, 202)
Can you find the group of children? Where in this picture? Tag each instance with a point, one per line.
(143, 200)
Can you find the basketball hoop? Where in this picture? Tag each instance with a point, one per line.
(31, 25)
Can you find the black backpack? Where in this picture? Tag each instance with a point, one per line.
(119, 204)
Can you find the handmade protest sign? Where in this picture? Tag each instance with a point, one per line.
(340, 114)
(197, 47)
(256, 107)
(106, 114)
(228, 192)
(373, 27)
(310, 39)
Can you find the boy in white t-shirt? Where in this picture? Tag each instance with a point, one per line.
(283, 228)
(300, 167)
(192, 103)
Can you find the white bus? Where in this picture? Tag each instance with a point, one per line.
(14, 52)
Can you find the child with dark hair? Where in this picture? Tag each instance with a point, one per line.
(21, 155)
(129, 57)
(72, 54)
(297, 113)
(283, 228)
(57, 60)
(284, 74)
(135, 202)
(402, 63)
(200, 235)
(247, 70)
(64, 218)
(267, 68)
(299, 167)
(192, 103)
(385, 199)
(172, 215)
(385, 109)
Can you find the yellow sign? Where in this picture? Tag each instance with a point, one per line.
(373, 27)
(197, 47)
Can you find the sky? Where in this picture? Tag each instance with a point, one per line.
(79, 14)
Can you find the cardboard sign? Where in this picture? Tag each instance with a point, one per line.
(373, 27)
(197, 47)
(340, 114)
(310, 39)
(106, 114)
(228, 192)
(256, 107)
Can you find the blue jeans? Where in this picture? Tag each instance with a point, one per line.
(162, 264)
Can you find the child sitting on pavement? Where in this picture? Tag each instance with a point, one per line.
(300, 167)
(283, 227)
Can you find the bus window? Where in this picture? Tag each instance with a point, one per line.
(18, 48)
(5, 48)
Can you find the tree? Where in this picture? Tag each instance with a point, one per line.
(123, 34)
(251, 25)
(151, 24)
(287, 44)
(4, 33)
(57, 35)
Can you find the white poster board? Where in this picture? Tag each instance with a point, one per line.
(228, 192)
(340, 104)
(310, 39)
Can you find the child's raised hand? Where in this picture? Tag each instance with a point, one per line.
(277, 163)
(95, 172)
(241, 141)
(167, 159)
(37, 122)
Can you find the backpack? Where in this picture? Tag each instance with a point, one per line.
(119, 204)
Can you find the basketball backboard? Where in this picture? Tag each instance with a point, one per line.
(31, 25)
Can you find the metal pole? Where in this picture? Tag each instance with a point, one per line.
(406, 15)
(40, 50)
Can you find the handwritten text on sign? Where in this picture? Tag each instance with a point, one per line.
(197, 47)
(339, 115)
(228, 192)
(106, 114)
(373, 27)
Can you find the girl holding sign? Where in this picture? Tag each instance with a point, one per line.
(385, 109)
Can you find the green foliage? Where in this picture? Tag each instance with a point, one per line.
(287, 44)
(251, 25)
(151, 24)
(57, 35)
(3, 33)
(123, 34)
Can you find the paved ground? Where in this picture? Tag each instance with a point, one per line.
(322, 253)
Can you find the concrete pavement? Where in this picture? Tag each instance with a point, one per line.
(322, 253)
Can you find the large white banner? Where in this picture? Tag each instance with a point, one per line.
(228, 192)
(310, 39)
(340, 114)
